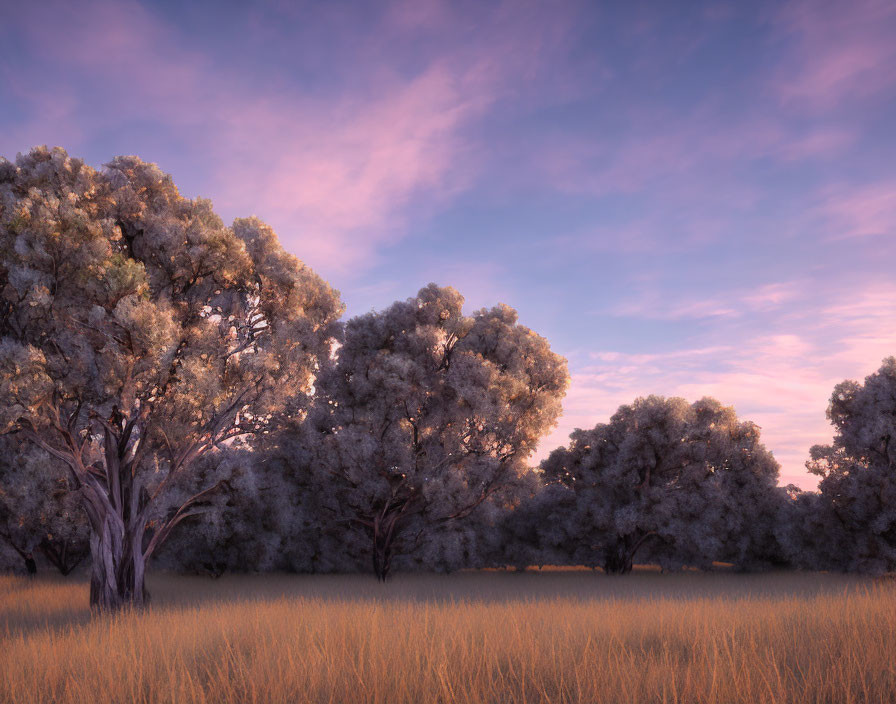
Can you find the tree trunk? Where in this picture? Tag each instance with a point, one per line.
(214, 569)
(384, 528)
(117, 574)
(618, 559)
(382, 553)
(620, 556)
(118, 505)
(62, 558)
(27, 557)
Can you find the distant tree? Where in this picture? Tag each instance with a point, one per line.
(40, 511)
(317, 527)
(136, 333)
(228, 535)
(265, 518)
(682, 483)
(752, 505)
(471, 543)
(858, 472)
(535, 533)
(810, 534)
(428, 415)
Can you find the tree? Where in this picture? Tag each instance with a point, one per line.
(681, 482)
(428, 415)
(136, 333)
(858, 471)
(40, 509)
(231, 534)
(810, 534)
(266, 518)
(534, 533)
(313, 524)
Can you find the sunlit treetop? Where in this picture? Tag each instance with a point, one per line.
(137, 330)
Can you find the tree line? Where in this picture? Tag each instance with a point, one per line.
(175, 389)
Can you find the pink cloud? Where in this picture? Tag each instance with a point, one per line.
(318, 170)
(859, 211)
(660, 305)
(336, 170)
(332, 172)
(821, 142)
(660, 310)
(840, 50)
(416, 14)
(771, 295)
(50, 113)
(122, 45)
(780, 378)
(683, 156)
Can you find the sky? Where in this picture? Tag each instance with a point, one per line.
(686, 199)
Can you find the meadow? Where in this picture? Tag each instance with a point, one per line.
(549, 636)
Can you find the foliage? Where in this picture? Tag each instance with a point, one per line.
(156, 364)
(857, 506)
(136, 333)
(40, 511)
(682, 483)
(427, 416)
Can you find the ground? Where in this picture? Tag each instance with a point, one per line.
(549, 636)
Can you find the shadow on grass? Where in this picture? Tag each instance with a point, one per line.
(52, 602)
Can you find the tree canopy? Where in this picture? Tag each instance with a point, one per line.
(430, 414)
(40, 511)
(137, 332)
(680, 480)
(858, 474)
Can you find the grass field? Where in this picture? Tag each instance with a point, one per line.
(561, 636)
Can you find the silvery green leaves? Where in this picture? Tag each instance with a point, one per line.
(673, 482)
(856, 510)
(140, 333)
(428, 415)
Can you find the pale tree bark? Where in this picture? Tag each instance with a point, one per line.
(119, 508)
(117, 565)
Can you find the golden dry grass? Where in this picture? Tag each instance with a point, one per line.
(477, 637)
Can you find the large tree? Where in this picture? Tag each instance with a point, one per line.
(137, 332)
(858, 472)
(428, 415)
(684, 483)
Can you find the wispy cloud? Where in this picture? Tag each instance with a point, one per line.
(780, 378)
(335, 171)
(859, 210)
(688, 151)
(835, 50)
(656, 304)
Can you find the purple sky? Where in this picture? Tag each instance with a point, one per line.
(684, 201)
